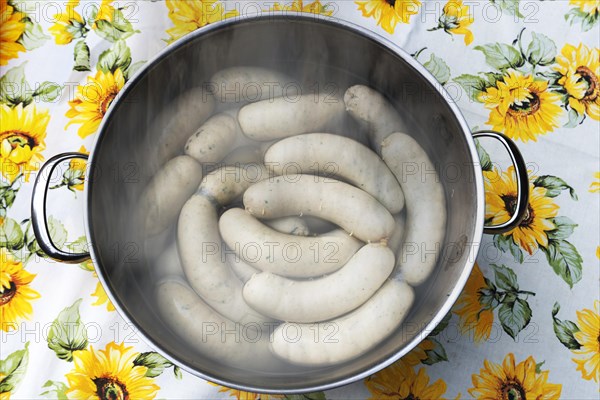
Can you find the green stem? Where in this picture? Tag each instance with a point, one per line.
(418, 53)
(520, 44)
(526, 292)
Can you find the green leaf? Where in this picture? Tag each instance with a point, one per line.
(564, 228)
(67, 333)
(484, 157)
(48, 91)
(177, 372)
(56, 390)
(118, 56)
(586, 20)
(565, 260)
(81, 245)
(510, 6)
(554, 186)
(514, 316)
(493, 77)
(541, 50)
(306, 396)
(435, 355)
(505, 278)
(589, 21)
(57, 231)
(14, 88)
(132, 69)
(505, 243)
(538, 367)
(11, 235)
(501, 56)
(565, 330)
(13, 368)
(82, 56)
(442, 325)
(438, 68)
(574, 119)
(8, 193)
(472, 84)
(155, 363)
(34, 36)
(488, 299)
(120, 28)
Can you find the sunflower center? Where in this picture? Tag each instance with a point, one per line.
(391, 2)
(592, 82)
(411, 397)
(512, 390)
(526, 107)
(17, 138)
(6, 295)
(110, 389)
(510, 204)
(105, 103)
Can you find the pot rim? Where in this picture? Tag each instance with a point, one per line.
(397, 51)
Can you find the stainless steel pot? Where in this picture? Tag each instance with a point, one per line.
(334, 52)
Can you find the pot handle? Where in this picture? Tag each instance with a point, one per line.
(38, 211)
(522, 183)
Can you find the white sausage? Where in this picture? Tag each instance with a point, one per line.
(226, 184)
(167, 191)
(324, 298)
(205, 330)
(248, 84)
(349, 336)
(244, 155)
(202, 258)
(292, 225)
(356, 211)
(395, 241)
(267, 120)
(373, 109)
(425, 206)
(213, 140)
(333, 155)
(180, 119)
(285, 254)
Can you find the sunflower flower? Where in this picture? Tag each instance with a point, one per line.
(189, 15)
(102, 297)
(15, 293)
(69, 25)
(389, 13)
(398, 382)
(521, 107)
(22, 135)
(501, 201)
(11, 30)
(109, 374)
(595, 186)
(241, 395)
(579, 68)
(93, 99)
(455, 19)
(511, 381)
(588, 356)
(106, 12)
(474, 316)
(587, 6)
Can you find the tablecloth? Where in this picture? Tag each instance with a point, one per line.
(527, 324)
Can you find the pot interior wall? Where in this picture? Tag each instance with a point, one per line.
(308, 49)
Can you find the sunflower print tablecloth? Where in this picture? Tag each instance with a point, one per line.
(527, 324)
